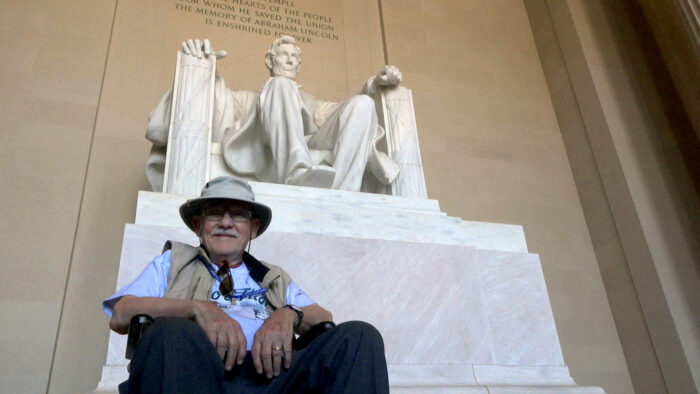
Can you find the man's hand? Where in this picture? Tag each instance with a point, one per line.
(199, 49)
(224, 332)
(272, 341)
(388, 76)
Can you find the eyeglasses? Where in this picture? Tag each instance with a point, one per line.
(238, 215)
(226, 284)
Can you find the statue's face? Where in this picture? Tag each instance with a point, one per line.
(286, 61)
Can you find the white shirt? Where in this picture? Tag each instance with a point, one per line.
(250, 306)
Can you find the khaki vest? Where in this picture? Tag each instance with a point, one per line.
(190, 279)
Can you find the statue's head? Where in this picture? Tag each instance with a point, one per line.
(283, 59)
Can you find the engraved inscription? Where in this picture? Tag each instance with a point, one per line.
(263, 17)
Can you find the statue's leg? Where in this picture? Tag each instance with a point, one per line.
(348, 133)
(280, 110)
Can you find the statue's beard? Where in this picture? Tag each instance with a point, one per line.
(285, 71)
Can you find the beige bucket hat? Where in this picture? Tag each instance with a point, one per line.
(226, 188)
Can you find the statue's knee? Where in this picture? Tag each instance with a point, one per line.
(361, 102)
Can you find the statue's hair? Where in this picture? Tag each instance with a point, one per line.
(281, 40)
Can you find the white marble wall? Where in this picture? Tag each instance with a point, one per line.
(445, 306)
(491, 307)
(461, 305)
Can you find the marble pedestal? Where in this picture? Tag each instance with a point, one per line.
(462, 306)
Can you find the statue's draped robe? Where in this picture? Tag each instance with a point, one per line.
(237, 126)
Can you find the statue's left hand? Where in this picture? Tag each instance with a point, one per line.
(388, 76)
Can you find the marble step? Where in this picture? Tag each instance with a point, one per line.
(352, 214)
(446, 379)
(498, 390)
(464, 390)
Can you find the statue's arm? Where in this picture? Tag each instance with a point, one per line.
(321, 110)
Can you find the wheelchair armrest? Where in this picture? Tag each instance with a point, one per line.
(305, 339)
(137, 326)
(140, 323)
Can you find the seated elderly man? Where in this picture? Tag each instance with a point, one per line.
(225, 320)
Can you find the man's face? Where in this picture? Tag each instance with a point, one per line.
(225, 229)
(286, 61)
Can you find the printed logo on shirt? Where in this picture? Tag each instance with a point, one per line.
(248, 302)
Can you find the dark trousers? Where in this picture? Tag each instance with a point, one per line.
(175, 356)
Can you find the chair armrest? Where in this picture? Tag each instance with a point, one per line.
(315, 331)
(140, 323)
(137, 327)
